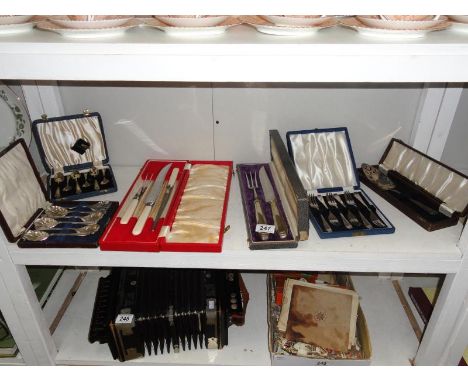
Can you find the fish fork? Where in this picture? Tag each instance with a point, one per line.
(331, 216)
(351, 217)
(332, 202)
(373, 216)
(252, 184)
(350, 201)
(314, 204)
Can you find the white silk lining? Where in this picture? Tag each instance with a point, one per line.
(438, 180)
(323, 160)
(58, 137)
(20, 192)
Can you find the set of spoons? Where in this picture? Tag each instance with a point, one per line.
(53, 216)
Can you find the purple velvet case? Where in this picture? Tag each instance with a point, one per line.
(247, 194)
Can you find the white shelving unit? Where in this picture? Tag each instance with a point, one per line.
(243, 55)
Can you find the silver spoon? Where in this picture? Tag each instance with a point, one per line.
(46, 223)
(90, 229)
(60, 212)
(63, 211)
(43, 235)
(94, 173)
(90, 218)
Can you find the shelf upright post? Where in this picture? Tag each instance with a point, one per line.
(443, 338)
(23, 313)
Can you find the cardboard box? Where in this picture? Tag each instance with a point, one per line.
(280, 357)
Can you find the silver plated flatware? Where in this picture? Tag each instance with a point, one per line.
(373, 216)
(167, 193)
(269, 196)
(314, 204)
(332, 202)
(43, 235)
(252, 184)
(151, 199)
(46, 223)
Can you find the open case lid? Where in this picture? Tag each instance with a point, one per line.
(71, 142)
(433, 177)
(22, 193)
(324, 159)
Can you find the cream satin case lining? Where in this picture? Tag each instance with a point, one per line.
(200, 211)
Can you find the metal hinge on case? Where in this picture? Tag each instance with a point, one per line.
(446, 210)
(86, 112)
(383, 169)
(44, 117)
(187, 166)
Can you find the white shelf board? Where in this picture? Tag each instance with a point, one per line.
(240, 55)
(391, 335)
(247, 344)
(409, 249)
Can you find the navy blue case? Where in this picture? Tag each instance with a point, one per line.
(339, 189)
(84, 165)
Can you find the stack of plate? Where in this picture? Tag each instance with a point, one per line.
(399, 26)
(290, 25)
(15, 24)
(88, 26)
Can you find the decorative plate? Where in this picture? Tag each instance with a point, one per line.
(65, 22)
(353, 23)
(296, 20)
(16, 28)
(376, 22)
(192, 21)
(459, 18)
(8, 20)
(90, 32)
(264, 26)
(192, 31)
(14, 118)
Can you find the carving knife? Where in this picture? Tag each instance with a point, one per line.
(131, 205)
(167, 194)
(270, 198)
(151, 199)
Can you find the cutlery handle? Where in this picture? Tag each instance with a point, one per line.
(325, 224)
(129, 211)
(141, 221)
(260, 217)
(280, 224)
(365, 221)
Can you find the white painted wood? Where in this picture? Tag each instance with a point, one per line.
(431, 100)
(240, 55)
(143, 121)
(444, 121)
(23, 312)
(409, 249)
(373, 114)
(15, 326)
(450, 307)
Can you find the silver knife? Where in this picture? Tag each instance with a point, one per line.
(166, 198)
(153, 195)
(270, 198)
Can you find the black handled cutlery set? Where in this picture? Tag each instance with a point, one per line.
(347, 211)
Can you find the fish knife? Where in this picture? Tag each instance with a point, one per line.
(151, 199)
(270, 198)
